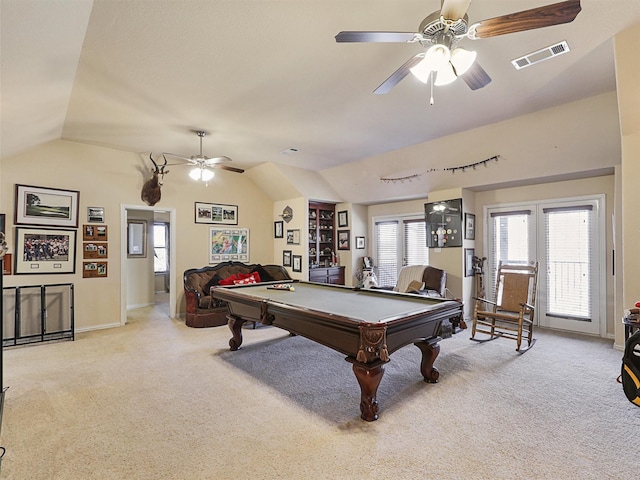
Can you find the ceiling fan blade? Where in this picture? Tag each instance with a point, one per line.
(216, 160)
(555, 14)
(402, 37)
(454, 9)
(476, 77)
(178, 156)
(227, 167)
(398, 75)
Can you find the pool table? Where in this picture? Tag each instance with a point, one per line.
(365, 325)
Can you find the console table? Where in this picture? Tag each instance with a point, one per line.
(331, 275)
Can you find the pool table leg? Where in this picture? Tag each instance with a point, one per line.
(430, 350)
(369, 379)
(235, 325)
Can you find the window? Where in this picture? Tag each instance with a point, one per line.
(387, 252)
(160, 248)
(399, 241)
(568, 248)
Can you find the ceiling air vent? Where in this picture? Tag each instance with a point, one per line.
(540, 55)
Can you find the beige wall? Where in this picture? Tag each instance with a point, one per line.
(112, 178)
(300, 221)
(139, 270)
(627, 72)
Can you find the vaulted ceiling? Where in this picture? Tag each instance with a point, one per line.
(267, 79)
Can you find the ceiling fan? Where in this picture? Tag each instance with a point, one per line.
(203, 164)
(440, 32)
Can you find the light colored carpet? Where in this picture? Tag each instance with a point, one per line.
(158, 400)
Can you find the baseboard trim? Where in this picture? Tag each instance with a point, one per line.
(97, 327)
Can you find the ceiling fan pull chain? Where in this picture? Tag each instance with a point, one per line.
(431, 85)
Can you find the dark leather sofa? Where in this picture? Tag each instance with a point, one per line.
(202, 310)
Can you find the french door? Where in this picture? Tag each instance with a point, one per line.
(566, 237)
(399, 241)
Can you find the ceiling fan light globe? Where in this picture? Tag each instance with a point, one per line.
(195, 173)
(437, 56)
(207, 175)
(462, 60)
(445, 76)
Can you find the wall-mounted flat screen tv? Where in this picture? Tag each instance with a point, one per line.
(444, 223)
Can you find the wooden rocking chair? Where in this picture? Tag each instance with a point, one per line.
(511, 314)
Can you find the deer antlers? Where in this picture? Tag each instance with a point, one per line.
(151, 189)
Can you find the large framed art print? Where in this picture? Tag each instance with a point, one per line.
(227, 244)
(50, 207)
(45, 250)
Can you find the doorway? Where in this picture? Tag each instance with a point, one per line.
(127, 278)
(566, 237)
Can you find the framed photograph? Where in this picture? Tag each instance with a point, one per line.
(92, 250)
(3, 224)
(136, 239)
(50, 207)
(297, 263)
(45, 250)
(468, 261)
(343, 240)
(95, 214)
(343, 219)
(94, 232)
(278, 229)
(227, 244)
(360, 243)
(293, 237)
(444, 223)
(469, 226)
(286, 258)
(216, 213)
(94, 269)
(6, 264)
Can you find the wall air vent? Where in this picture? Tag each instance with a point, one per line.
(540, 55)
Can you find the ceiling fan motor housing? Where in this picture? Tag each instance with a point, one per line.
(436, 29)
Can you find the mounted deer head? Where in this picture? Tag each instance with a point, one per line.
(151, 188)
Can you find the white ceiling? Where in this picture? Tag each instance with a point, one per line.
(266, 76)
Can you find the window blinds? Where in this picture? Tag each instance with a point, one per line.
(509, 242)
(387, 252)
(415, 242)
(569, 254)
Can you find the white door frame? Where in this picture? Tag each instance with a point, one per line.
(123, 257)
(600, 260)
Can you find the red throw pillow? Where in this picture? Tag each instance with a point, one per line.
(228, 280)
(248, 279)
